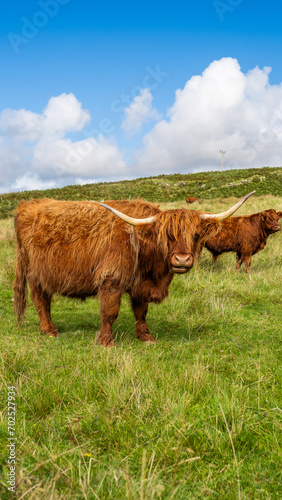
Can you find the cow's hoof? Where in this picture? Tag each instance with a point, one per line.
(104, 340)
(146, 337)
(106, 343)
(52, 333)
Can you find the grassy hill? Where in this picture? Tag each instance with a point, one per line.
(196, 415)
(163, 188)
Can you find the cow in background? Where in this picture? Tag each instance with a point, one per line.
(245, 235)
(80, 249)
(191, 199)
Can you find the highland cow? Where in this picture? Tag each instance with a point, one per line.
(81, 249)
(246, 235)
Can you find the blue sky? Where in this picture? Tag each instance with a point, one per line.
(104, 56)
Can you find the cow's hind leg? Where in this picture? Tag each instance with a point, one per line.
(109, 308)
(42, 303)
(140, 311)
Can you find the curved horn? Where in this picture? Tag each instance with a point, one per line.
(230, 211)
(127, 218)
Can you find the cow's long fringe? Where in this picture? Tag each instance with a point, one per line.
(20, 288)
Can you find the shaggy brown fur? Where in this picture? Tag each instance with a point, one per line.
(80, 249)
(245, 235)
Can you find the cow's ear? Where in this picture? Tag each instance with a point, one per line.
(279, 215)
(262, 216)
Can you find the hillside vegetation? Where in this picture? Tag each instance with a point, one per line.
(164, 188)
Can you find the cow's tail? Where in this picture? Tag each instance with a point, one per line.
(20, 287)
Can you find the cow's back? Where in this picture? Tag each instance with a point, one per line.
(228, 239)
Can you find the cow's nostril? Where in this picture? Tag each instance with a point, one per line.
(183, 260)
(190, 260)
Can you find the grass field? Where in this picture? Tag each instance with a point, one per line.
(198, 415)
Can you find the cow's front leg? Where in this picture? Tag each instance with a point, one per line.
(238, 261)
(140, 311)
(109, 308)
(247, 261)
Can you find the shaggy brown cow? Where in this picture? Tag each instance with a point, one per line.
(79, 249)
(245, 235)
(191, 199)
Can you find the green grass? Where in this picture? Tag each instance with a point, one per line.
(194, 416)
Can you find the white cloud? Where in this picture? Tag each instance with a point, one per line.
(138, 112)
(65, 113)
(221, 109)
(30, 182)
(36, 154)
(21, 125)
